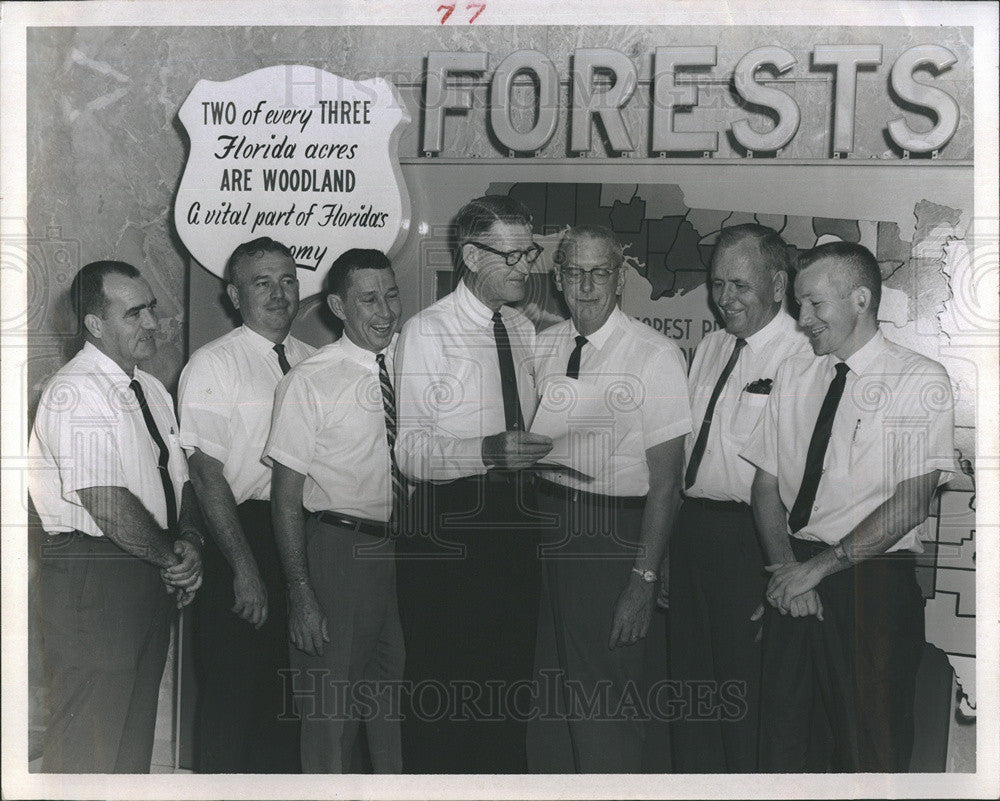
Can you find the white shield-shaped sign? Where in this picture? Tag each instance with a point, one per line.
(296, 154)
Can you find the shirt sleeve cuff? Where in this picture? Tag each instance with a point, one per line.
(189, 441)
(667, 433)
(277, 455)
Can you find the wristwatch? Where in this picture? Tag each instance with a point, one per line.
(649, 576)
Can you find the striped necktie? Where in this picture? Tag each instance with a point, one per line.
(389, 407)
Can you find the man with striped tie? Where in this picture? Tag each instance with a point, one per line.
(330, 448)
(716, 566)
(241, 633)
(109, 482)
(849, 451)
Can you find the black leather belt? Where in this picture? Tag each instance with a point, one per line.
(373, 528)
(561, 492)
(718, 506)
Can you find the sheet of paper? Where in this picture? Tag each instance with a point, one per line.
(570, 412)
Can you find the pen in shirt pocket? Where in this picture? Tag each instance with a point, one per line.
(857, 426)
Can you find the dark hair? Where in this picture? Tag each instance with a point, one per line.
(255, 248)
(860, 267)
(599, 232)
(86, 293)
(351, 261)
(772, 248)
(478, 216)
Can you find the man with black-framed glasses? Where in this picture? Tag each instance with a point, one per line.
(630, 410)
(468, 575)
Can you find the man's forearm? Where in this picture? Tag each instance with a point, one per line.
(190, 519)
(771, 518)
(128, 524)
(288, 517)
(219, 506)
(906, 509)
(665, 462)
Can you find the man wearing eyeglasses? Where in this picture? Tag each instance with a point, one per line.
(601, 569)
(468, 574)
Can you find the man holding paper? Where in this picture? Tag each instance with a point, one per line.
(620, 390)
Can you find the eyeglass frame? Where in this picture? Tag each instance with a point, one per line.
(599, 278)
(521, 254)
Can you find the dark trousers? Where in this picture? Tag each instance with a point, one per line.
(468, 582)
(105, 619)
(838, 694)
(244, 719)
(358, 674)
(598, 718)
(717, 580)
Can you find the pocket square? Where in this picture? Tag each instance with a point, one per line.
(762, 386)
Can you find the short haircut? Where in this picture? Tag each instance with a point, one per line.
(478, 216)
(86, 293)
(351, 261)
(859, 266)
(255, 248)
(601, 233)
(773, 251)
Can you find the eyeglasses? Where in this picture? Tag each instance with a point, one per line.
(574, 275)
(512, 257)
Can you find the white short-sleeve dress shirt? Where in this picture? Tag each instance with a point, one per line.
(89, 432)
(329, 424)
(638, 375)
(722, 474)
(449, 393)
(894, 422)
(225, 397)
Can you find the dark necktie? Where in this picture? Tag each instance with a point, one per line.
(513, 418)
(802, 507)
(154, 432)
(573, 366)
(389, 407)
(282, 360)
(699, 446)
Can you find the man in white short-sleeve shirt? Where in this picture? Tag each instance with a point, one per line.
(852, 445)
(109, 482)
(241, 632)
(622, 386)
(330, 449)
(716, 564)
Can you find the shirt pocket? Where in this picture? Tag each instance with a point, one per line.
(748, 411)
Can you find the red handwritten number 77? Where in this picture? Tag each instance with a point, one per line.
(449, 10)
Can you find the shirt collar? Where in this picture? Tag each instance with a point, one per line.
(107, 365)
(603, 334)
(862, 358)
(781, 324)
(259, 341)
(471, 306)
(363, 356)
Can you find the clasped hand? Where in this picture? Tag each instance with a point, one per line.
(792, 591)
(514, 450)
(184, 578)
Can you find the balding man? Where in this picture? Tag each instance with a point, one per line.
(716, 565)
(109, 482)
(602, 564)
(851, 447)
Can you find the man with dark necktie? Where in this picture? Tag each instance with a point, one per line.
(716, 564)
(851, 447)
(330, 447)
(597, 626)
(109, 481)
(468, 571)
(244, 721)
